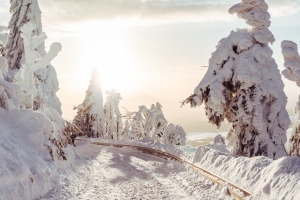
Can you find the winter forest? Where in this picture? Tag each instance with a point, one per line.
(149, 99)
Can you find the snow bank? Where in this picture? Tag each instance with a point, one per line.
(264, 177)
(27, 166)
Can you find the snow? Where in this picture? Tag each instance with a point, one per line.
(27, 166)
(33, 61)
(90, 116)
(123, 173)
(292, 72)
(24, 11)
(243, 85)
(264, 177)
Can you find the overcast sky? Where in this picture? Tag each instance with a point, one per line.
(154, 47)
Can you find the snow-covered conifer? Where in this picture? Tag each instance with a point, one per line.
(137, 127)
(244, 86)
(32, 62)
(8, 99)
(113, 116)
(126, 130)
(24, 11)
(219, 139)
(175, 135)
(160, 122)
(149, 122)
(90, 118)
(292, 72)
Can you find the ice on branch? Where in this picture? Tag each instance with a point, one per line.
(243, 85)
(33, 61)
(292, 72)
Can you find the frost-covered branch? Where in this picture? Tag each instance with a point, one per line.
(33, 61)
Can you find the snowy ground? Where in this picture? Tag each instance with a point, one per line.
(111, 173)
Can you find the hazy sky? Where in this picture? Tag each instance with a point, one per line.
(154, 47)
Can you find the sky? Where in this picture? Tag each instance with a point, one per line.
(148, 49)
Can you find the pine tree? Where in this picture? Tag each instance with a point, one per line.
(160, 122)
(175, 135)
(113, 116)
(244, 86)
(24, 11)
(89, 118)
(292, 72)
(8, 99)
(149, 122)
(126, 131)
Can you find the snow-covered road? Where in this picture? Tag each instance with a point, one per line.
(112, 173)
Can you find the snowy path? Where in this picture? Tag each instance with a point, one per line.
(111, 173)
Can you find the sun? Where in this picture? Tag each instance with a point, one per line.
(105, 48)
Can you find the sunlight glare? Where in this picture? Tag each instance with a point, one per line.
(105, 48)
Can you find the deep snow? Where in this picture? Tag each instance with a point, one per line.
(123, 173)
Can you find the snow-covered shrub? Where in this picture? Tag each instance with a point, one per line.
(24, 11)
(149, 122)
(90, 118)
(112, 116)
(292, 72)
(152, 123)
(219, 139)
(33, 61)
(244, 86)
(175, 135)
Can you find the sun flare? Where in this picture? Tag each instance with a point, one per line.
(105, 49)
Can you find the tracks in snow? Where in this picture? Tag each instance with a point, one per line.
(110, 173)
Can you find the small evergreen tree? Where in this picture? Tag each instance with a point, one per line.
(89, 118)
(160, 122)
(113, 116)
(175, 135)
(243, 85)
(292, 72)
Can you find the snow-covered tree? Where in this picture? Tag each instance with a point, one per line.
(292, 72)
(126, 130)
(8, 99)
(90, 118)
(149, 122)
(32, 62)
(244, 86)
(146, 119)
(113, 116)
(219, 139)
(160, 122)
(175, 135)
(137, 126)
(24, 11)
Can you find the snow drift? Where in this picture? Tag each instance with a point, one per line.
(264, 177)
(28, 159)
